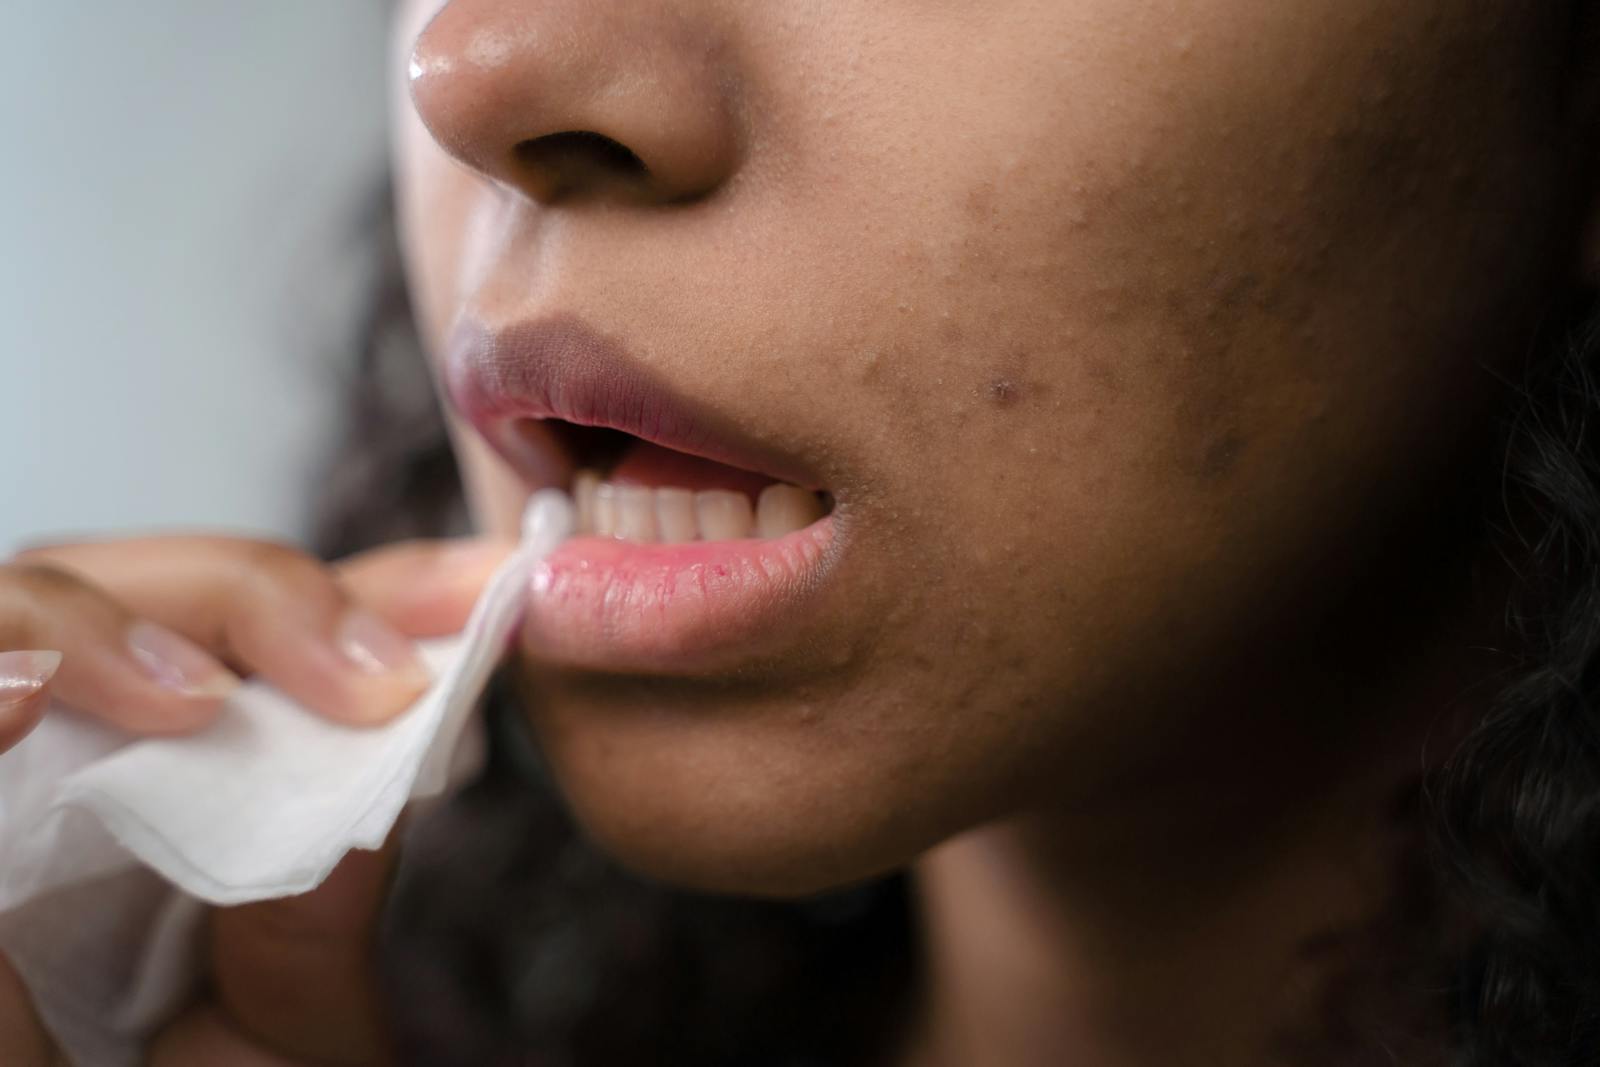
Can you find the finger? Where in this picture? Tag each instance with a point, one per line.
(264, 607)
(114, 665)
(24, 692)
(23, 1040)
(424, 588)
(298, 975)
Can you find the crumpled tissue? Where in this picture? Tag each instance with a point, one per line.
(111, 846)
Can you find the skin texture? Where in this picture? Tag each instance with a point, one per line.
(1148, 352)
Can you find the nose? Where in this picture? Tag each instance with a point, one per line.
(622, 99)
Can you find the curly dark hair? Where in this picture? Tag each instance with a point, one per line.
(1517, 805)
(511, 940)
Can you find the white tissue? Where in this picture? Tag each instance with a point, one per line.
(260, 805)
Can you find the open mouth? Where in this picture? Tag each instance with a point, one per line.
(700, 542)
(635, 490)
(680, 563)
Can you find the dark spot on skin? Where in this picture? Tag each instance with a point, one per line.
(1005, 392)
(1220, 456)
(1232, 291)
(1102, 373)
(981, 201)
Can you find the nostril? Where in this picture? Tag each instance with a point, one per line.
(585, 145)
(561, 161)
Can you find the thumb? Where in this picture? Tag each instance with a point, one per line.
(423, 588)
(298, 975)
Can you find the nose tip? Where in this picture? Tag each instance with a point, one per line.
(559, 99)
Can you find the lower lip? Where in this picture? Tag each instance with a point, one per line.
(618, 606)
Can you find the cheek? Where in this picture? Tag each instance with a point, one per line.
(1135, 355)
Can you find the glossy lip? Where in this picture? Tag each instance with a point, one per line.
(674, 610)
(599, 604)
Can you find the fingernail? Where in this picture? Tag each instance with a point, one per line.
(374, 646)
(178, 663)
(22, 674)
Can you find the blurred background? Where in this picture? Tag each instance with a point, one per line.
(183, 262)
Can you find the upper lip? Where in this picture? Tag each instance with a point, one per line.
(559, 367)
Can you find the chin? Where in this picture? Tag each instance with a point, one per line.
(733, 801)
(730, 836)
(701, 851)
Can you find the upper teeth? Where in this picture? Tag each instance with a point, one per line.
(670, 514)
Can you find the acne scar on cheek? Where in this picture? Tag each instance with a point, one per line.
(1004, 392)
(1008, 384)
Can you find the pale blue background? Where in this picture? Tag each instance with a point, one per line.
(177, 178)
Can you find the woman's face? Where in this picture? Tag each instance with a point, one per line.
(1121, 339)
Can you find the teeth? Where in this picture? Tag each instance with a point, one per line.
(584, 486)
(605, 509)
(784, 509)
(636, 513)
(675, 520)
(723, 514)
(672, 515)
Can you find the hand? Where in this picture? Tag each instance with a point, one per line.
(153, 634)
